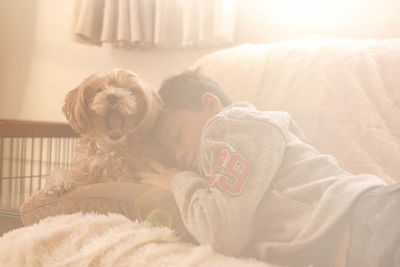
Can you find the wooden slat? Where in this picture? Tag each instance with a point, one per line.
(9, 211)
(19, 128)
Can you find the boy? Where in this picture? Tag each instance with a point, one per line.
(253, 186)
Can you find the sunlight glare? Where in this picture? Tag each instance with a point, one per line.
(314, 11)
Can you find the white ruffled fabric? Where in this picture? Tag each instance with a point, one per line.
(155, 23)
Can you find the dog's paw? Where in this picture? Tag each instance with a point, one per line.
(58, 184)
(58, 188)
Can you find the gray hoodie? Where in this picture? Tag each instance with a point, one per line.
(261, 185)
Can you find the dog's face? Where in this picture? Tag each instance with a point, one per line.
(110, 106)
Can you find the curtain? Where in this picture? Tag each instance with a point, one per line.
(155, 23)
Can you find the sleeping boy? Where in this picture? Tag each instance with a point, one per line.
(252, 185)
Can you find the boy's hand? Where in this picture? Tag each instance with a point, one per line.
(160, 176)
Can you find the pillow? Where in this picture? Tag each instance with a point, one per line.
(135, 201)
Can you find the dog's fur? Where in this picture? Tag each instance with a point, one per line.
(113, 112)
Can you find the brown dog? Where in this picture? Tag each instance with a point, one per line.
(114, 112)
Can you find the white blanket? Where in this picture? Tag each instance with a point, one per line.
(344, 94)
(104, 240)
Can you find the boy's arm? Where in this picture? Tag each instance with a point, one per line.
(239, 158)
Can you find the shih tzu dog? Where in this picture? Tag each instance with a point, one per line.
(113, 112)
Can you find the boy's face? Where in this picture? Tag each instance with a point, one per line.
(180, 131)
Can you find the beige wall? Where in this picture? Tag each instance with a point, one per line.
(39, 64)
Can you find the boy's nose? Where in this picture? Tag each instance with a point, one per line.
(180, 156)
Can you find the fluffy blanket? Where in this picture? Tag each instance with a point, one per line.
(344, 94)
(104, 240)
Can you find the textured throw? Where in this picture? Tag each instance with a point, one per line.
(105, 240)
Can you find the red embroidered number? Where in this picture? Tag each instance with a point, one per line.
(231, 173)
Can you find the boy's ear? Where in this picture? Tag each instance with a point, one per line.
(211, 103)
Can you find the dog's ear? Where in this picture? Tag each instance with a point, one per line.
(73, 110)
(152, 105)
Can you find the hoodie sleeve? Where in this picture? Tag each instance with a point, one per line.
(239, 158)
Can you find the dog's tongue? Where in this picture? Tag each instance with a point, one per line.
(115, 123)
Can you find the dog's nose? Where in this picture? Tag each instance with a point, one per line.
(112, 99)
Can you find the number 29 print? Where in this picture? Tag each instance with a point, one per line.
(231, 173)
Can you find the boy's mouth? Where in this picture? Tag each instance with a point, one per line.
(193, 164)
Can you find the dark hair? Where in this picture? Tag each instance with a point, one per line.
(184, 91)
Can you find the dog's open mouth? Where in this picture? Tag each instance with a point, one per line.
(114, 122)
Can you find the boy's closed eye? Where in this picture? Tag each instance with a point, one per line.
(178, 136)
(172, 138)
(167, 134)
(169, 137)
